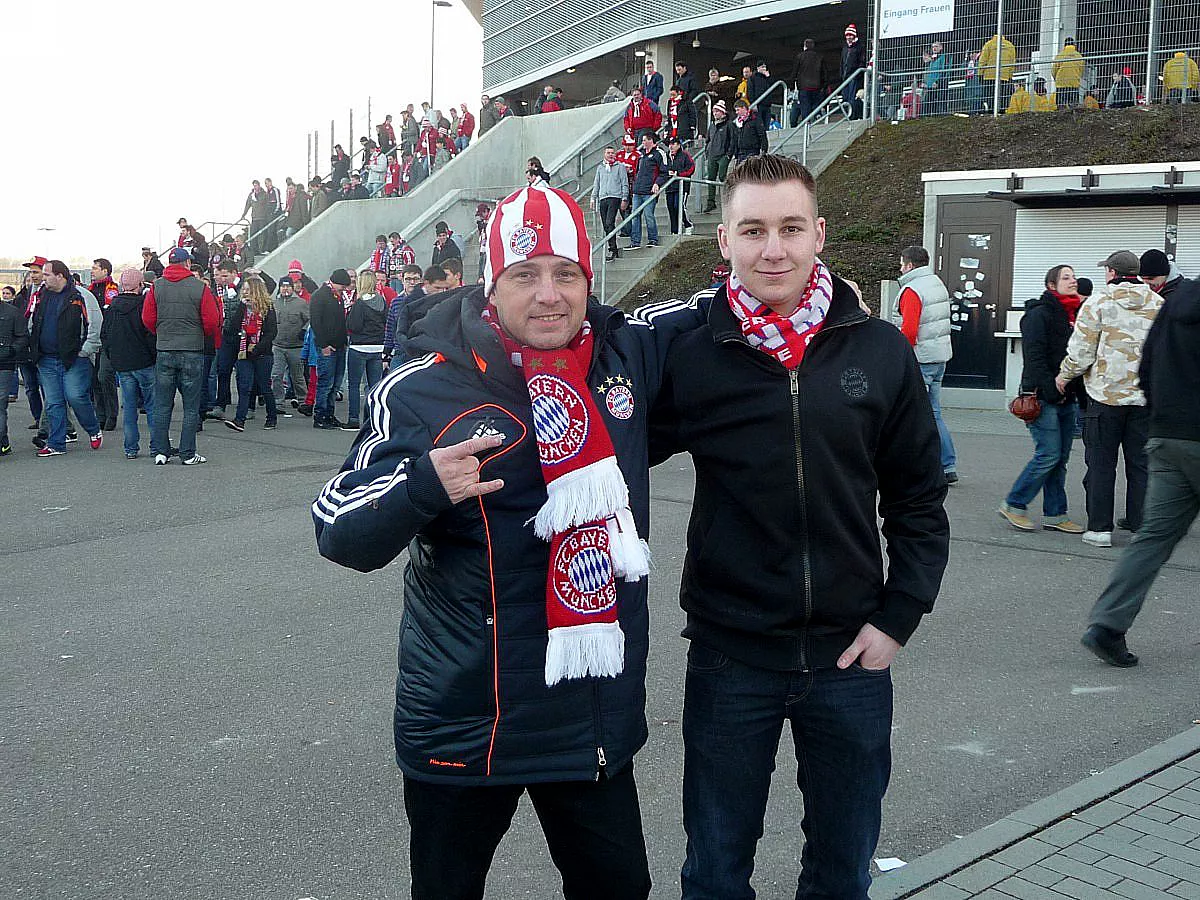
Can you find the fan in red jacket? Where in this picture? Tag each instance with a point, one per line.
(642, 114)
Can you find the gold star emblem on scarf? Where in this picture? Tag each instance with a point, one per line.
(536, 363)
(560, 364)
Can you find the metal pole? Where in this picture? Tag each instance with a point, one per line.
(874, 79)
(351, 150)
(370, 121)
(999, 57)
(432, 47)
(332, 140)
(308, 165)
(316, 153)
(1150, 48)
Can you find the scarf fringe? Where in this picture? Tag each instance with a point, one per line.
(629, 553)
(589, 494)
(596, 649)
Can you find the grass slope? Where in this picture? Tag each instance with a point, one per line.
(873, 200)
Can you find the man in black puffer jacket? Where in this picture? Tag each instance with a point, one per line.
(131, 351)
(514, 674)
(14, 343)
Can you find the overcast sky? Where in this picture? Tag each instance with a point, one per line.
(123, 116)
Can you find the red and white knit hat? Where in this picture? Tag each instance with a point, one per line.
(536, 221)
(851, 30)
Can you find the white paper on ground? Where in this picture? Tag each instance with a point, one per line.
(890, 862)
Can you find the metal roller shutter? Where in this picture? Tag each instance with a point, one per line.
(1187, 246)
(1080, 238)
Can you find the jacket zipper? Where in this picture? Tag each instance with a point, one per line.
(806, 562)
(601, 759)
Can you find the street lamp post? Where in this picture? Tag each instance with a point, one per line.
(433, 43)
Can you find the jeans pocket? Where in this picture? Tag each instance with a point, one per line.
(875, 673)
(702, 658)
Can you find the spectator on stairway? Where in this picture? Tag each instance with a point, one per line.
(410, 130)
(483, 213)
(758, 90)
(743, 88)
(681, 115)
(681, 164)
(551, 102)
(1067, 72)
(466, 128)
(641, 115)
(445, 244)
(151, 262)
(934, 81)
(854, 57)
(320, 198)
(717, 152)
(999, 53)
(651, 84)
(651, 175)
(534, 168)
(488, 115)
(258, 206)
(720, 88)
(809, 76)
(385, 134)
(614, 92)
(686, 81)
(376, 172)
(546, 94)
(298, 214)
(911, 101)
(747, 134)
(610, 193)
(973, 85)
(339, 165)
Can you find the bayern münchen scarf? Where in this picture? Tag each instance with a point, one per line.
(586, 516)
(783, 337)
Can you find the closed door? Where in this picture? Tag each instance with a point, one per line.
(969, 264)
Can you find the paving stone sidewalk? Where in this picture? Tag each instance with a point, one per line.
(1129, 833)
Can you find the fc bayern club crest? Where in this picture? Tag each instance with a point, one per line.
(582, 573)
(560, 419)
(523, 241)
(618, 396)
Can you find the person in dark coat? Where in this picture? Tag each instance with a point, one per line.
(747, 134)
(854, 57)
(131, 350)
(1045, 330)
(808, 74)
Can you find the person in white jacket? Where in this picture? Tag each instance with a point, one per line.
(377, 172)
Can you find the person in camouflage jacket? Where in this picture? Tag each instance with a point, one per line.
(1106, 349)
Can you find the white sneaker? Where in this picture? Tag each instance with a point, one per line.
(195, 460)
(160, 459)
(1098, 538)
(689, 230)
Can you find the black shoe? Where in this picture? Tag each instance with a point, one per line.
(72, 437)
(34, 427)
(951, 478)
(5, 449)
(295, 403)
(1125, 525)
(350, 426)
(326, 424)
(40, 440)
(235, 425)
(199, 426)
(340, 397)
(270, 423)
(710, 207)
(304, 409)
(1109, 646)
(110, 425)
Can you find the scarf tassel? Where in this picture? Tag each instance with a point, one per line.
(596, 649)
(586, 495)
(629, 553)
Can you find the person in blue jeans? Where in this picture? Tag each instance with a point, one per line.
(255, 324)
(131, 351)
(649, 178)
(64, 337)
(1045, 329)
(327, 322)
(365, 326)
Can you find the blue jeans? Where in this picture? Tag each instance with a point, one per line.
(8, 381)
(135, 384)
(933, 373)
(635, 222)
(33, 391)
(208, 393)
(462, 142)
(1053, 431)
(330, 370)
(254, 376)
(63, 385)
(358, 364)
(226, 356)
(181, 370)
(733, 716)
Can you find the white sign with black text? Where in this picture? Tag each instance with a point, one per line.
(903, 18)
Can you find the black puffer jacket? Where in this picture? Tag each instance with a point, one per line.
(1045, 330)
(14, 336)
(129, 345)
(472, 705)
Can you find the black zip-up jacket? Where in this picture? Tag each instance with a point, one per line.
(783, 560)
(1045, 330)
(14, 336)
(21, 303)
(72, 327)
(651, 170)
(327, 319)
(1170, 367)
(472, 705)
(748, 140)
(263, 346)
(129, 344)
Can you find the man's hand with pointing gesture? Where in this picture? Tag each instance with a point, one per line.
(457, 468)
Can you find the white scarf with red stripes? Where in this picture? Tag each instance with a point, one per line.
(783, 337)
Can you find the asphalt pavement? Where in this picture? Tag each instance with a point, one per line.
(197, 705)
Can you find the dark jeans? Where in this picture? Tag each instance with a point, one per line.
(33, 390)
(609, 207)
(208, 394)
(181, 370)
(330, 370)
(733, 716)
(226, 357)
(138, 385)
(63, 385)
(676, 205)
(1172, 504)
(8, 380)
(932, 102)
(593, 830)
(104, 391)
(1052, 432)
(850, 95)
(358, 365)
(1108, 430)
(254, 376)
(806, 102)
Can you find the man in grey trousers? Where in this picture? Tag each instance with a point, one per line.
(291, 311)
(1169, 373)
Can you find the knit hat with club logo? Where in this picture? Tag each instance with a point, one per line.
(536, 221)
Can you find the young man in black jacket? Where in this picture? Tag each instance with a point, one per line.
(14, 344)
(516, 673)
(327, 319)
(803, 415)
(1168, 375)
(131, 353)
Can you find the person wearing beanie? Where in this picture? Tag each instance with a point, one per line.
(1106, 349)
(1158, 271)
(291, 318)
(854, 57)
(327, 320)
(717, 152)
(131, 352)
(301, 283)
(511, 453)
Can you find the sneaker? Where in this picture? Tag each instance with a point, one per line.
(951, 478)
(160, 459)
(340, 397)
(689, 230)
(634, 247)
(304, 409)
(709, 208)
(34, 426)
(270, 423)
(286, 415)
(194, 460)
(72, 437)
(1066, 526)
(1125, 525)
(1109, 646)
(48, 451)
(250, 414)
(132, 455)
(652, 244)
(350, 426)
(235, 425)
(1017, 518)
(1098, 538)
(39, 441)
(110, 425)
(5, 449)
(97, 440)
(295, 403)
(326, 424)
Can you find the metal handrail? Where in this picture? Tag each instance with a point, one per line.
(822, 109)
(769, 91)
